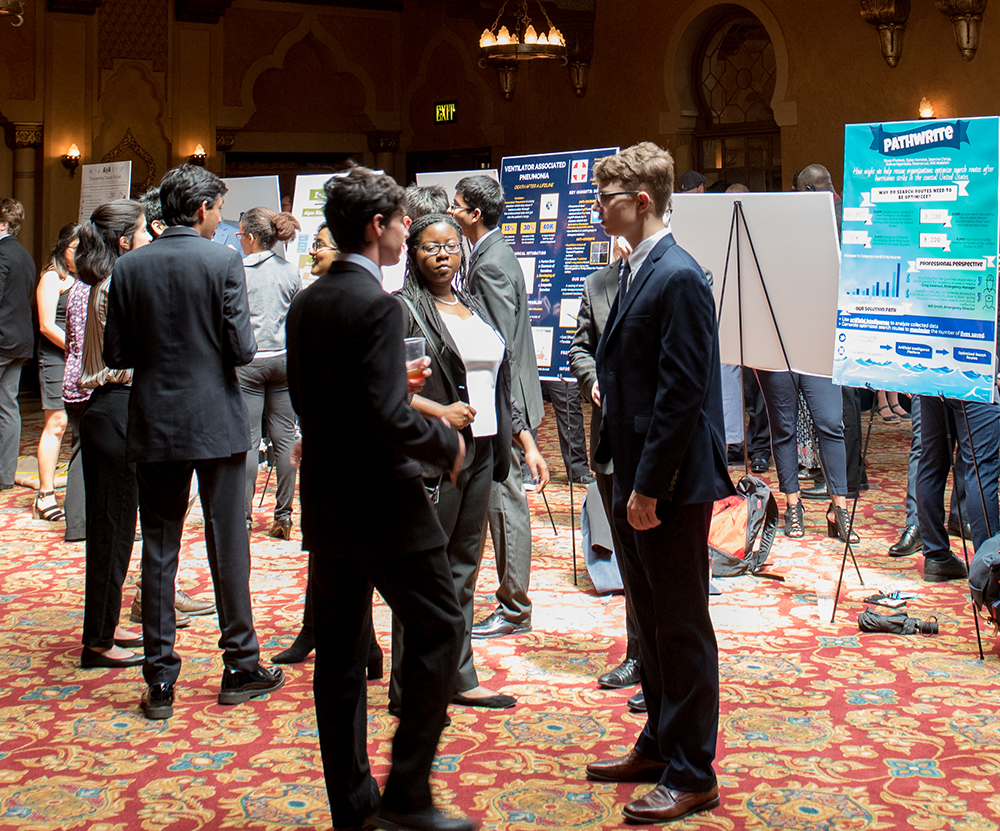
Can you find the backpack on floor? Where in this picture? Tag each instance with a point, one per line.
(738, 522)
(984, 577)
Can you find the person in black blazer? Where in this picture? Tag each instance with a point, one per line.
(178, 314)
(659, 376)
(366, 516)
(17, 334)
(599, 292)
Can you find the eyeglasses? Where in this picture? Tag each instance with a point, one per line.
(601, 198)
(432, 249)
(456, 207)
(322, 246)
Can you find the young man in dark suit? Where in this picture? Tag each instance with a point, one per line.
(661, 397)
(178, 315)
(495, 278)
(17, 334)
(366, 516)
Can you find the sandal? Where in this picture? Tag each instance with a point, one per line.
(888, 419)
(836, 526)
(52, 513)
(898, 410)
(795, 521)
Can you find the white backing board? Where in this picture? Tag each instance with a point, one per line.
(449, 178)
(795, 239)
(100, 183)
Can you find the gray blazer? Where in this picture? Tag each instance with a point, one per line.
(496, 280)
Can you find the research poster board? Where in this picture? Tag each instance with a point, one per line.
(918, 286)
(449, 178)
(246, 192)
(308, 201)
(551, 224)
(793, 239)
(100, 183)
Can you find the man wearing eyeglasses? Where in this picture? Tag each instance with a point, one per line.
(661, 398)
(495, 278)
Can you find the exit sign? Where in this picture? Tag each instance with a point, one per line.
(445, 112)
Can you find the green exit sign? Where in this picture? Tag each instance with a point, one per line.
(445, 112)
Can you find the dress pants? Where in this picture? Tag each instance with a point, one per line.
(163, 501)
(732, 403)
(460, 510)
(265, 390)
(509, 523)
(758, 431)
(605, 486)
(75, 500)
(10, 418)
(853, 438)
(826, 404)
(938, 418)
(112, 501)
(565, 400)
(958, 510)
(419, 589)
(667, 570)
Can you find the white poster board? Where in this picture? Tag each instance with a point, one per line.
(246, 192)
(100, 183)
(449, 178)
(795, 239)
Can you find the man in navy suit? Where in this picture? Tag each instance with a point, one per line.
(661, 397)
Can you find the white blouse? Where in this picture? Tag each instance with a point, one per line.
(481, 350)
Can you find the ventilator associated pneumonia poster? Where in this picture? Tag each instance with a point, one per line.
(918, 280)
(551, 224)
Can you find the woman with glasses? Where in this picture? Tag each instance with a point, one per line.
(272, 282)
(470, 387)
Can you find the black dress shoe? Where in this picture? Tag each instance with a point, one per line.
(626, 674)
(955, 531)
(759, 464)
(496, 626)
(305, 642)
(938, 571)
(490, 702)
(158, 701)
(239, 687)
(637, 703)
(909, 542)
(92, 659)
(426, 819)
(129, 643)
(820, 491)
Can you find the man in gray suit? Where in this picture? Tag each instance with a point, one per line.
(17, 334)
(494, 277)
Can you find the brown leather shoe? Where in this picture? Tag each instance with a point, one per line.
(135, 613)
(632, 767)
(664, 805)
(183, 602)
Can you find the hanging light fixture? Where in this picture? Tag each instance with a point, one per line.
(503, 48)
(12, 8)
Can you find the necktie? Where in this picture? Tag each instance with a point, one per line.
(624, 278)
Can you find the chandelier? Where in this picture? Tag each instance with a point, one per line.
(13, 7)
(503, 48)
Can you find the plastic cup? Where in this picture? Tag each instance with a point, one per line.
(416, 349)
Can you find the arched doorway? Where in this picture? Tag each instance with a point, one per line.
(736, 139)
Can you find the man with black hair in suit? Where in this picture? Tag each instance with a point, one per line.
(366, 516)
(178, 315)
(17, 333)
(494, 277)
(659, 377)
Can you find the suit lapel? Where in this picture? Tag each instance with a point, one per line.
(639, 281)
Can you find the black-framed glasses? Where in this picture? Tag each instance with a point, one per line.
(601, 198)
(432, 249)
(456, 207)
(322, 246)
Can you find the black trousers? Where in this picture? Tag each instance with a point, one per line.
(605, 486)
(419, 589)
(112, 500)
(163, 500)
(75, 501)
(565, 398)
(667, 571)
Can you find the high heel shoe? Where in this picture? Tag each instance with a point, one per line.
(888, 419)
(898, 410)
(52, 513)
(836, 527)
(795, 521)
(281, 529)
(305, 642)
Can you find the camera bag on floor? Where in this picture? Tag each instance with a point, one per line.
(738, 523)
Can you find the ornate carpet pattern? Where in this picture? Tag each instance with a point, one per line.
(823, 728)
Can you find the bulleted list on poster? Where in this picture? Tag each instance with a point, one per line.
(917, 308)
(551, 224)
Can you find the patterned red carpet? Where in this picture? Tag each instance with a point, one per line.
(823, 728)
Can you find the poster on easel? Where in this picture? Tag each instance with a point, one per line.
(551, 223)
(918, 282)
(100, 183)
(246, 192)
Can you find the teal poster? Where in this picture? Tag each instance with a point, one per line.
(917, 309)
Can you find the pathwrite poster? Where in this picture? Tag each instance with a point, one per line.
(551, 224)
(918, 282)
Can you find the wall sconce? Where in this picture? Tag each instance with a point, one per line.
(71, 161)
(926, 109)
(198, 157)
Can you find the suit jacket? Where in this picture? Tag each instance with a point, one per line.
(17, 287)
(496, 280)
(599, 292)
(661, 388)
(178, 315)
(360, 487)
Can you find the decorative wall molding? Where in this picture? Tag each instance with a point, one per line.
(889, 18)
(383, 141)
(225, 138)
(74, 6)
(19, 136)
(133, 32)
(967, 20)
(128, 146)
